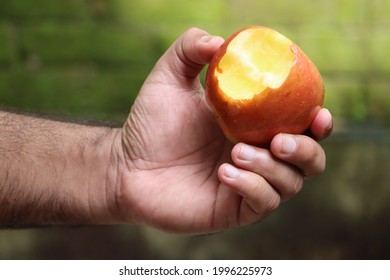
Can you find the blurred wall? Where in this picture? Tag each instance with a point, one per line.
(88, 59)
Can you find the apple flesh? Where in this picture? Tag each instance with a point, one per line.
(259, 84)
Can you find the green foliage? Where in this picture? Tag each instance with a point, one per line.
(4, 49)
(52, 49)
(58, 44)
(43, 9)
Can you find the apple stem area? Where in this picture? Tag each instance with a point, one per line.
(256, 59)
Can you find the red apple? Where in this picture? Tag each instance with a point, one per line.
(259, 84)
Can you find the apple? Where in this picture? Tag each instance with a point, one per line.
(259, 83)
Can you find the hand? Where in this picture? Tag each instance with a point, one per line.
(182, 175)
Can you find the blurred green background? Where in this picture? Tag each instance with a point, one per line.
(87, 59)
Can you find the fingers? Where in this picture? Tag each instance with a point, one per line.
(260, 178)
(284, 178)
(322, 125)
(264, 178)
(303, 151)
(189, 53)
(300, 151)
(255, 190)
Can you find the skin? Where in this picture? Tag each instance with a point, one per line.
(169, 167)
(291, 107)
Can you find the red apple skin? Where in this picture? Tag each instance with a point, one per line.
(289, 109)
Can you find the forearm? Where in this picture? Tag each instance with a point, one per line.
(55, 173)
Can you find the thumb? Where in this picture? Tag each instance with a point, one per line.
(188, 54)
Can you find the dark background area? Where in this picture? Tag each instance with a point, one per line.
(87, 59)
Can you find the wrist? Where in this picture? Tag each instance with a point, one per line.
(105, 184)
(94, 175)
(57, 173)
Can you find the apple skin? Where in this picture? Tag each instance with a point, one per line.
(288, 109)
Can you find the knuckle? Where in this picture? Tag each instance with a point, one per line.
(297, 186)
(322, 165)
(262, 162)
(311, 155)
(271, 166)
(265, 162)
(193, 29)
(314, 161)
(273, 198)
(273, 203)
(260, 184)
(264, 199)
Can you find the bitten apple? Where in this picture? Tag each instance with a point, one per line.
(259, 84)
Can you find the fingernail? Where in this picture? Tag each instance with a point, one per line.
(231, 172)
(329, 127)
(289, 144)
(247, 153)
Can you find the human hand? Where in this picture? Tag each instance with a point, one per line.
(180, 174)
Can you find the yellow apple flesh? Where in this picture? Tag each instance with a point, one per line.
(259, 84)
